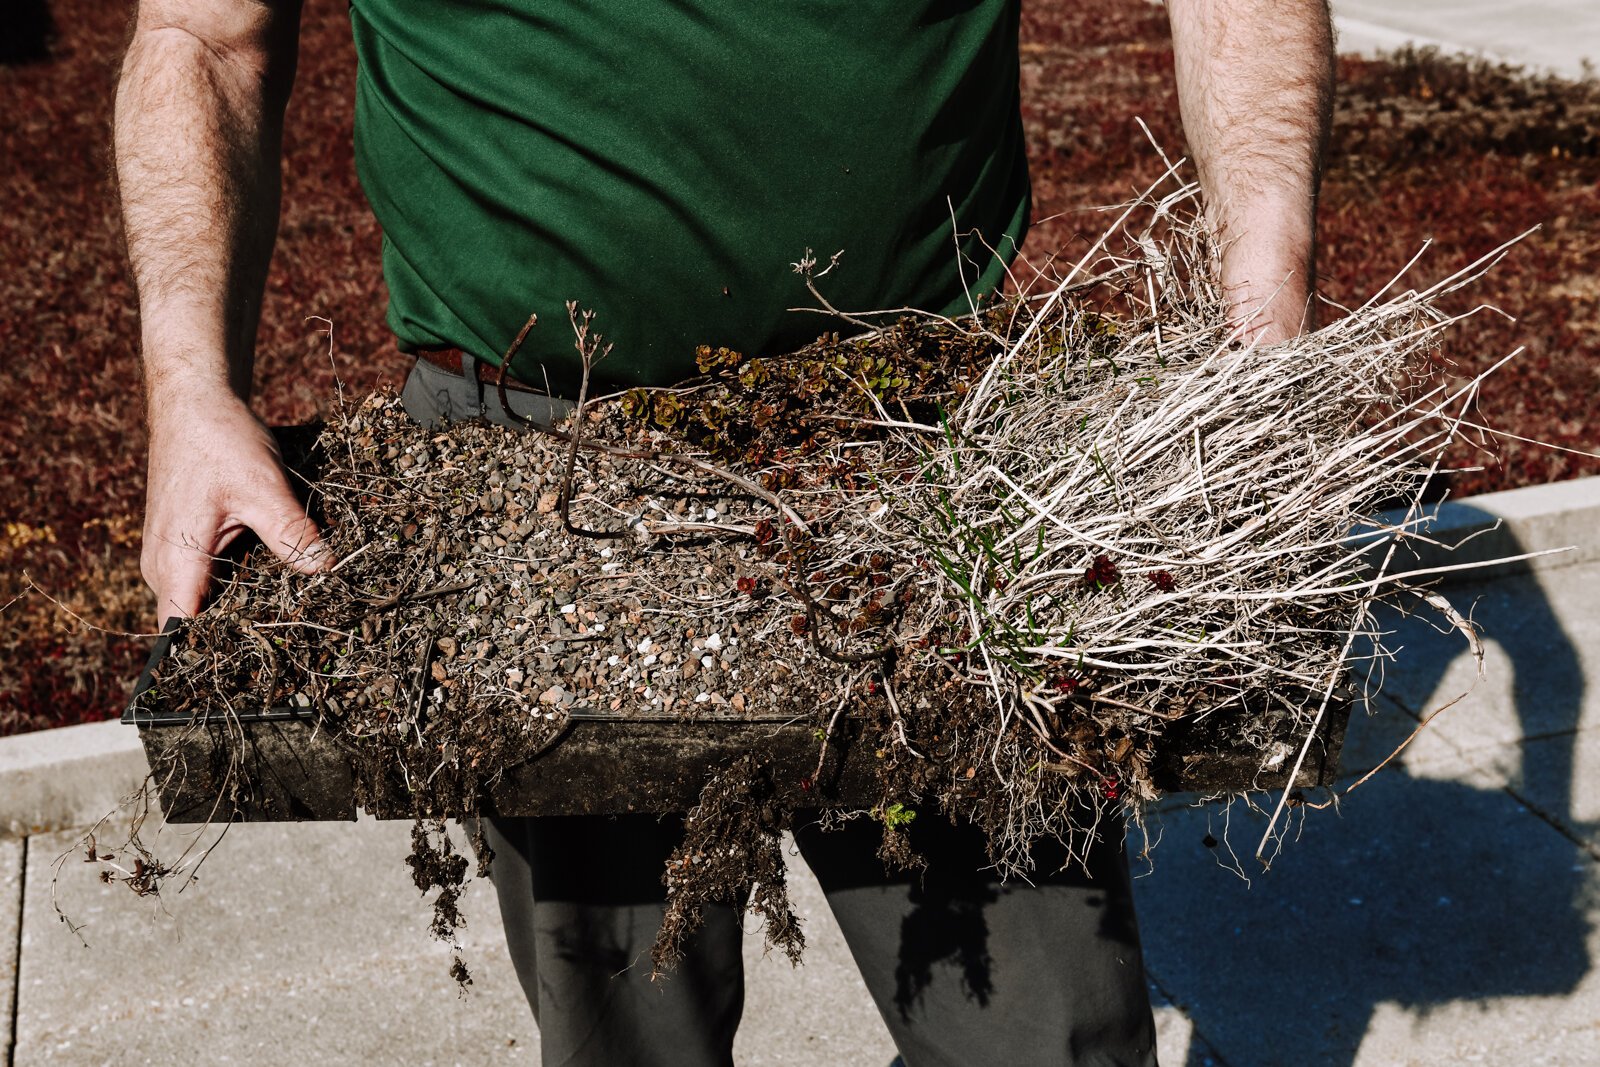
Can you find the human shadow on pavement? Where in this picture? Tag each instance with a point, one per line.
(1419, 892)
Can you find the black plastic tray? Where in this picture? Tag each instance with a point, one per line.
(608, 764)
(292, 769)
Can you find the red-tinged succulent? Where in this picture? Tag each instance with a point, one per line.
(1101, 574)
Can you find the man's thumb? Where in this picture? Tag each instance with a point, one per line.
(284, 527)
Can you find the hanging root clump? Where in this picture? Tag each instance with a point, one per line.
(732, 853)
(1024, 563)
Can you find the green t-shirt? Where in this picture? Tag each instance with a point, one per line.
(664, 163)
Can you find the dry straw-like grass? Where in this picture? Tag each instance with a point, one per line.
(1141, 517)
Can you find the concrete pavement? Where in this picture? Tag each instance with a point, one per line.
(1446, 912)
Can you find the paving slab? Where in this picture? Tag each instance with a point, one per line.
(11, 859)
(1550, 526)
(1427, 921)
(298, 943)
(1541, 636)
(1376, 729)
(1558, 777)
(1178, 1043)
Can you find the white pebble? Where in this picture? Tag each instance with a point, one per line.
(702, 698)
(605, 553)
(644, 646)
(613, 661)
(714, 642)
(650, 659)
(568, 609)
(706, 662)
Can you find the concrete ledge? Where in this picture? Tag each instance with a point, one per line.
(1498, 525)
(67, 777)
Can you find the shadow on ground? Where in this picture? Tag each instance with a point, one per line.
(1432, 895)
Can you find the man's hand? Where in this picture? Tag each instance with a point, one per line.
(215, 472)
(1255, 85)
(198, 132)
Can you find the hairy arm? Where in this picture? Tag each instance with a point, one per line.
(1255, 87)
(198, 135)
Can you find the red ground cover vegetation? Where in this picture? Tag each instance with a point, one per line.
(1424, 147)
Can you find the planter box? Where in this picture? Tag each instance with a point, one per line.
(607, 764)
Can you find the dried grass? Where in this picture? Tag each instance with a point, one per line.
(1137, 519)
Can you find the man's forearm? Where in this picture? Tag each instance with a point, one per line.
(198, 132)
(1255, 84)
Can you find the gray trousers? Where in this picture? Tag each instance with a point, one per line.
(965, 970)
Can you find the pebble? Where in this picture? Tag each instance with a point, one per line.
(569, 621)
